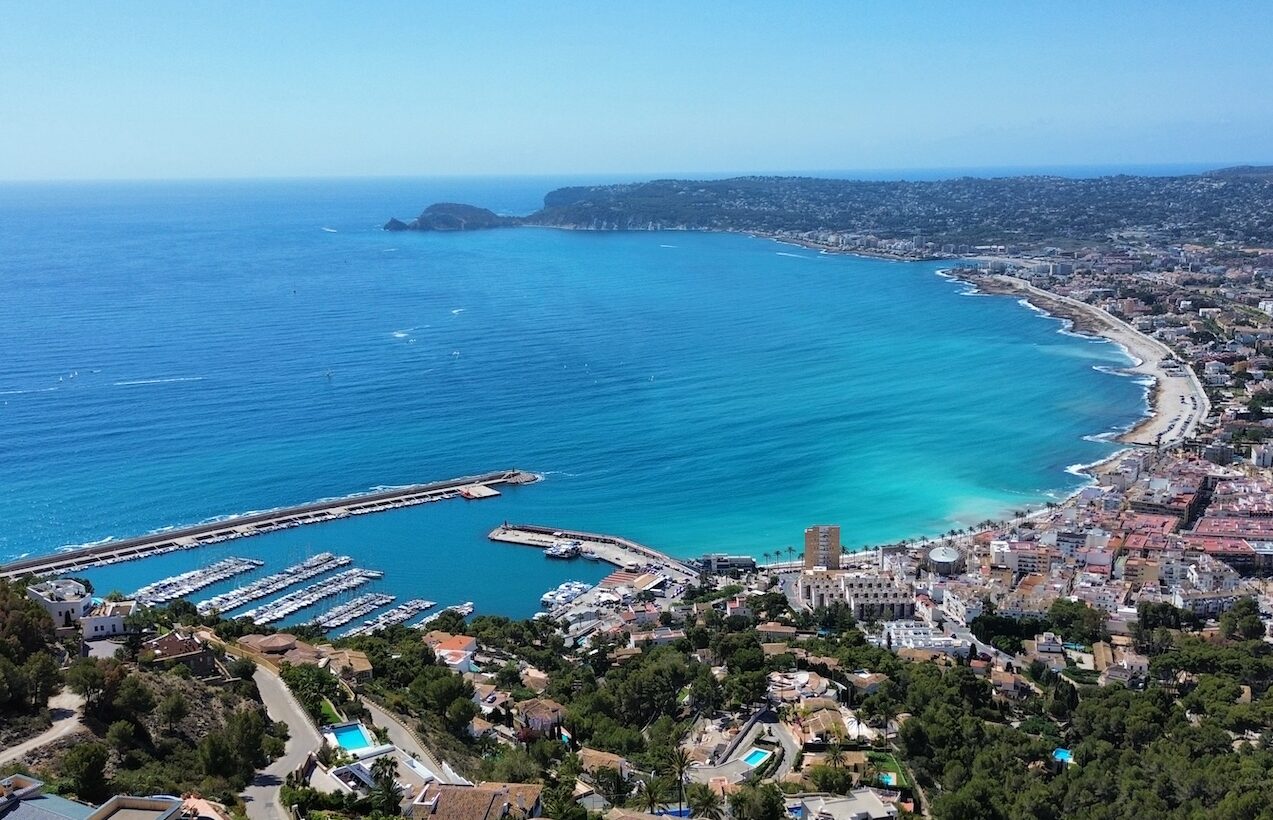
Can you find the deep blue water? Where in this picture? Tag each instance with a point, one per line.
(173, 352)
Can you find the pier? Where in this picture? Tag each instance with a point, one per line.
(294, 602)
(620, 552)
(348, 611)
(178, 586)
(279, 581)
(399, 614)
(244, 526)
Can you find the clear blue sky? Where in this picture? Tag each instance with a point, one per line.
(179, 90)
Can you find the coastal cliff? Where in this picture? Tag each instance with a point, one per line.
(452, 216)
(1228, 204)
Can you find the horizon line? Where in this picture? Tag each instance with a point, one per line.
(962, 170)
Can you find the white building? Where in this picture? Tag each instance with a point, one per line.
(914, 635)
(962, 603)
(869, 595)
(1211, 575)
(65, 600)
(1262, 455)
(106, 619)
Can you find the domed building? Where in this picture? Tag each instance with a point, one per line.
(945, 560)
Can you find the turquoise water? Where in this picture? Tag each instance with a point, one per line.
(756, 756)
(352, 737)
(888, 778)
(179, 352)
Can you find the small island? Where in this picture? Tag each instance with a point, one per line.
(451, 216)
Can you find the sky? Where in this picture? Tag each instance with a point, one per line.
(150, 90)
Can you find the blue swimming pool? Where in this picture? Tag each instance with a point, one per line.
(351, 737)
(1063, 756)
(756, 756)
(888, 778)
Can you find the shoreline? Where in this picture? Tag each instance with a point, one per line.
(1177, 404)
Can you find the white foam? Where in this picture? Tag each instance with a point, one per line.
(793, 255)
(32, 390)
(330, 230)
(400, 334)
(667, 246)
(172, 380)
(457, 311)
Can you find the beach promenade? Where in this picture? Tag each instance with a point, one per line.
(1177, 402)
(244, 526)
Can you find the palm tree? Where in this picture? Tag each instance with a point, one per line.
(677, 763)
(705, 802)
(653, 794)
(835, 755)
(387, 793)
(559, 801)
(791, 556)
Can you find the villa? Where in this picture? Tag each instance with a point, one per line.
(541, 715)
(65, 600)
(860, 804)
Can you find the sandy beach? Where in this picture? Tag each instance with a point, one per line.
(1177, 402)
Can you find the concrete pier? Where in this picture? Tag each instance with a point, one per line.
(470, 487)
(620, 552)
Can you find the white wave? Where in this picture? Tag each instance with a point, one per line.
(388, 250)
(793, 255)
(85, 545)
(32, 390)
(667, 246)
(457, 311)
(330, 230)
(172, 380)
(400, 334)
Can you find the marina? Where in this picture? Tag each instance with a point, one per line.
(350, 610)
(465, 609)
(399, 614)
(170, 589)
(304, 598)
(244, 526)
(311, 568)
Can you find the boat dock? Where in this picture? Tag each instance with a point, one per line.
(279, 581)
(177, 586)
(244, 526)
(400, 613)
(465, 609)
(294, 602)
(620, 552)
(348, 611)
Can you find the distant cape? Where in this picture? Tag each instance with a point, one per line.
(451, 216)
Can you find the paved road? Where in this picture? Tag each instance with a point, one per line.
(65, 709)
(404, 739)
(262, 796)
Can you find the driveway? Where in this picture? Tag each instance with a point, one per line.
(65, 710)
(262, 796)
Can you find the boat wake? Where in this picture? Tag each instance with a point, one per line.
(330, 230)
(173, 380)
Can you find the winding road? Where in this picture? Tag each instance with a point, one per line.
(262, 797)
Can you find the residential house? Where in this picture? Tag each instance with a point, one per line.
(541, 715)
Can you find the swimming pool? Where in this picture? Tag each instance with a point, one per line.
(351, 737)
(756, 756)
(888, 778)
(1063, 756)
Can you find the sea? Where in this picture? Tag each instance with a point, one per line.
(176, 352)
